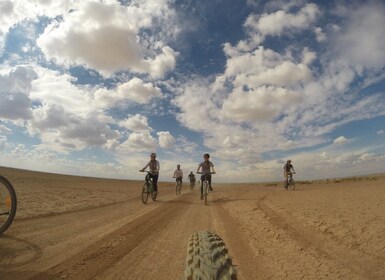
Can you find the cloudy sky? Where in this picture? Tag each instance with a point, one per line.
(92, 87)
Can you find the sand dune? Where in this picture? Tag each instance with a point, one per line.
(71, 227)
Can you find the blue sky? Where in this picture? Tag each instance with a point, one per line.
(91, 88)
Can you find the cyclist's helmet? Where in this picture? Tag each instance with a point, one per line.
(152, 155)
(206, 155)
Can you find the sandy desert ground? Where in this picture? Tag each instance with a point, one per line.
(85, 228)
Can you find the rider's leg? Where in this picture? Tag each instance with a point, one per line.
(155, 180)
(202, 179)
(209, 179)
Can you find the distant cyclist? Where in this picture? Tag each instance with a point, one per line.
(191, 177)
(154, 166)
(288, 171)
(207, 168)
(178, 174)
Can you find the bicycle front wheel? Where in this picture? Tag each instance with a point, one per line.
(208, 258)
(8, 204)
(144, 193)
(205, 191)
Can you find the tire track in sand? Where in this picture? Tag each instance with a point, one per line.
(364, 265)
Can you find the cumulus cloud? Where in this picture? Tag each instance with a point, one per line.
(105, 37)
(4, 129)
(354, 43)
(138, 142)
(381, 132)
(166, 140)
(280, 21)
(15, 102)
(134, 90)
(136, 122)
(341, 140)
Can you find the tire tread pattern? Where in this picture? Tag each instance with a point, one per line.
(208, 258)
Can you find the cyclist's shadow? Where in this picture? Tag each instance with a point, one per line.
(17, 252)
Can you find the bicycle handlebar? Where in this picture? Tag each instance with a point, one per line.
(206, 172)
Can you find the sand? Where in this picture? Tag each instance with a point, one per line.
(70, 227)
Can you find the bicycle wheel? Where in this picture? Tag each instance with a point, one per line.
(145, 193)
(8, 204)
(208, 258)
(205, 191)
(176, 188)
(292, 184)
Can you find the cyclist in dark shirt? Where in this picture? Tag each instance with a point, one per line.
(287, 172)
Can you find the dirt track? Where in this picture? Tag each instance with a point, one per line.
(129, 240)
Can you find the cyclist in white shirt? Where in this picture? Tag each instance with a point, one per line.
(178, 174)
(154, 166)
(206, 166)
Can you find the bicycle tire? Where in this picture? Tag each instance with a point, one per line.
(8, 204)
(292, 184)
(154, 196)
(208, 258)
(145, 193)
(205, 191)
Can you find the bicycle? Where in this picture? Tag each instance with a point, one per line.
(178, 186)
(8, 204)
(148, 188)
(192, 184)
(205, 186)
(289, 182)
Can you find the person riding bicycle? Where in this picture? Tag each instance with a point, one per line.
(191, 176)
(178, 174)
(206, 166)
(287, 172)
(154, 169)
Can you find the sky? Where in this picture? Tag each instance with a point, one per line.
(91, 88)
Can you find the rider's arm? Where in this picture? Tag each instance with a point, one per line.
(199, 167)
(212, 167)
(147, 165)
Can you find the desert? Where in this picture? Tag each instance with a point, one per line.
(71, 227)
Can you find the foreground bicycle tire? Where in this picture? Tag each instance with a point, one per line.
(8, 204)
(208, 258)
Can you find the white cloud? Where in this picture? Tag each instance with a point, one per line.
(105, 37)
(135, 90)
(280, 21)
(355, 43)
(166, 140)
(15, 102)
(380, 132)
(4, 129)
(138, 142)
(261, 104)
(341, 140)
(136, 123)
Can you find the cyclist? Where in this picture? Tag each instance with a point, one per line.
(206, 166)
(191, 176)
(287, 172)
(178, 174)
(154, 169)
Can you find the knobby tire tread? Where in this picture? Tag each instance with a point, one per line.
(207, 258)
